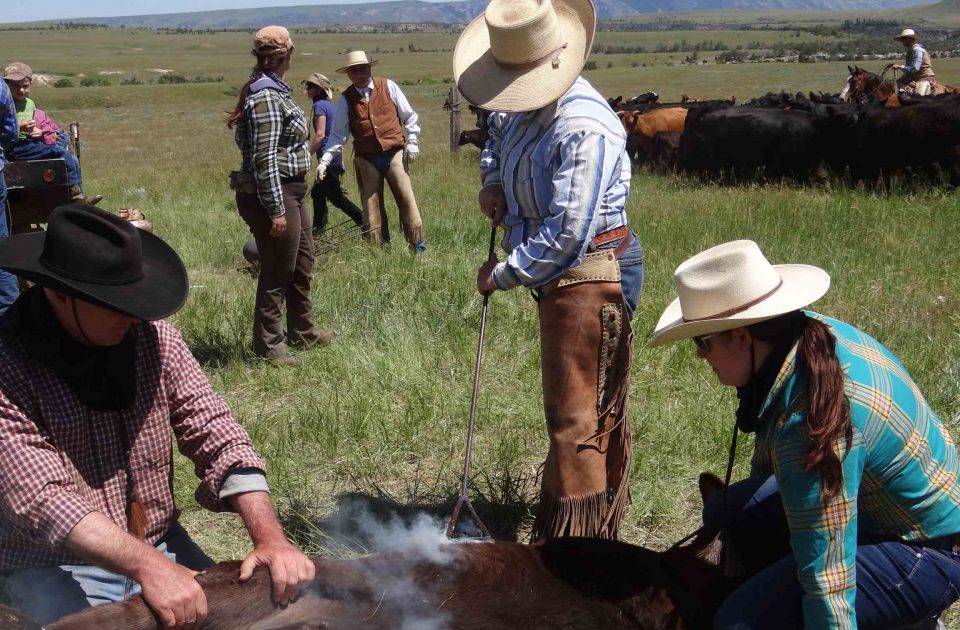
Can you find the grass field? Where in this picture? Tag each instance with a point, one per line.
(382, 412)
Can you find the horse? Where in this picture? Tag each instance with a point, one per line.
(862, 83)
(570, 583)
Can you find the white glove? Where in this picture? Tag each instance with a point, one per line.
(322, 166)
(413, 151)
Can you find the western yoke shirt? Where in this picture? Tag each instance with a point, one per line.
(899, 476)
(61, 460)
(566, 176)
(273, 137)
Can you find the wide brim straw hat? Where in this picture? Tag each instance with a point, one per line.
(99, 258)
(733, 285)
(321, 81)
(520, 55)
(356, 58)
(907, 33)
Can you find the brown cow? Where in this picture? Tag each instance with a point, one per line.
(569, 583)
(642, 127)
(476, 137)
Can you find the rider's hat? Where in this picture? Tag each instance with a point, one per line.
(907, 33)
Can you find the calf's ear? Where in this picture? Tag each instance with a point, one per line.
(849, 69)
(709, 484)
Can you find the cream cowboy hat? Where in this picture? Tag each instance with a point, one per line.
(520, 55)
(734, 285)
(356, 58)
(907, 33)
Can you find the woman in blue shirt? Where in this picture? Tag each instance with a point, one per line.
(851, 515)
(320, 89)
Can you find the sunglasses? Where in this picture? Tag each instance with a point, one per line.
(703, 342)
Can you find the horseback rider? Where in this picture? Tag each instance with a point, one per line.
(918, 73)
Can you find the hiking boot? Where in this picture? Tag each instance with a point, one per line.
(286, 361)
(323, 338)
(77, 196)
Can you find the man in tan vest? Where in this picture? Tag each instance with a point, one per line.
(917, 70)
(378, 116)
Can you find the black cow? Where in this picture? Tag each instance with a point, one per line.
(744, 142)
(919, 137)
(665, 152)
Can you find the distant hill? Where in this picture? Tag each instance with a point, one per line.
(416, 11)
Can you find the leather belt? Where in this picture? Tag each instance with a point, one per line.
(622, 233)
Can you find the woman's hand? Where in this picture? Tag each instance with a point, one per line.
(278, 226)
(493, 202)
(28, 126)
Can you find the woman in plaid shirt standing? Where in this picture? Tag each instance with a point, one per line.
(272, 133)
(851, 515)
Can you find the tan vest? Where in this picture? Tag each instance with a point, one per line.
(375, 124)
(926, 69)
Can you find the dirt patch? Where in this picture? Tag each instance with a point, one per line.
(159, 70)
(109, 72)
(44, 79)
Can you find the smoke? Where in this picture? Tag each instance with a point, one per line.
(402, 544)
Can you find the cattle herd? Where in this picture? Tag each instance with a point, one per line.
(799, 137)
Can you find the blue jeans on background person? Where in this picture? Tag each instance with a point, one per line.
(899, 585)
(46, 594)
(35, 150)
(9, 289)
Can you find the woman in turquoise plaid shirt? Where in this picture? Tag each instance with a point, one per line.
(851, 515)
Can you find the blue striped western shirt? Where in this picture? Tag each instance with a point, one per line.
(566, 178)
(899, 476)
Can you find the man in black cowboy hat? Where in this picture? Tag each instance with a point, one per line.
(91, 383)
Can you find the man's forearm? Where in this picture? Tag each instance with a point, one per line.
(256, 510)
(99, 541)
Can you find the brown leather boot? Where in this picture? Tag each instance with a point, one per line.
(77, 196)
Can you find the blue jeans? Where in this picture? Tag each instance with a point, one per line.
(9, 290)
(35, 150)
(899, 585)
(46, 594)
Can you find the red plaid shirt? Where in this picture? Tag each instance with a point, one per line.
(61, 460)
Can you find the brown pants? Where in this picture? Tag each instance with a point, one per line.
(370, 182)
(585, 339)
(286, 265)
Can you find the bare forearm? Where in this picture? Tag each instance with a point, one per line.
(99, 541)
(256, 510)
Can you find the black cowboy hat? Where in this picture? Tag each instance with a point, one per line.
(100, 258)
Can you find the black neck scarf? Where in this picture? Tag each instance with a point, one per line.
(754, 393)
(102, 377)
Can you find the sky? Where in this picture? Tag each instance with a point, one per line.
(30, 10)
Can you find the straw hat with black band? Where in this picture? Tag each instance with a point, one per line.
(98, 257)
(734, 285)
(520, 55)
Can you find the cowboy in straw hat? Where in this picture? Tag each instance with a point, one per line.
(853, 473)
(320, 90)
(91, 383)
(39, 137)
(917, 69)
(378, 116)
(271, 133)
(568, 240)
